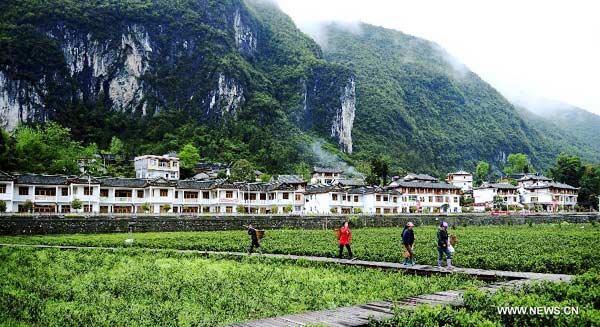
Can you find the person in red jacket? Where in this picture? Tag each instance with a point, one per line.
(345, 238)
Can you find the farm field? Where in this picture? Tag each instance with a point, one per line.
(134, 287)
(548, 248)
(577, 304)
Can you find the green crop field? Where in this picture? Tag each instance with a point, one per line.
(131, 287)
(551, 248)
(572, 304)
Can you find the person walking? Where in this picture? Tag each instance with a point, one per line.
(408, 240)
(254, 239)
(345, 238)
(442, 241)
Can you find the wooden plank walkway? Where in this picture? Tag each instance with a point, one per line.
(359, 315)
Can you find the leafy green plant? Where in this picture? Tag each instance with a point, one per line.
(2, 206)
(76, 204)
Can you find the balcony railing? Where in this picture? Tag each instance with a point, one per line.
(45, 197)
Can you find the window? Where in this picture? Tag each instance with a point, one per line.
(45, 191)
(176, 194)
(164, 192)
(65, 191)
(298, 197)
(87, 190)
(386, 210)
(87, 208)
(395, 199)
(229, 194)
(343, 198)
(122, 193)
(412, 198)
(140, 194)
(334, 197)
(263, 196)
(2, 188)
(229, 209)
(378, 210)
(206, 209)
(205, 195)
(286, 196)
(65, 208)
(23, 190)
(378, 198)
(385, 198)
(103, 193)
(271, 196)
(103, 209)
(190, 195)
(534, 199)
(356, 198)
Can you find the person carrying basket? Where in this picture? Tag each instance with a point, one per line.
(254, 239)
(345, 236)
(408, 240)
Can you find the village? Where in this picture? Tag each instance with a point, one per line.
(158, 189)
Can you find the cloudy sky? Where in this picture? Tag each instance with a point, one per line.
(524, 48)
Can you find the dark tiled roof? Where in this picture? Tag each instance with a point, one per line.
(419, 177)
(326, 170)
(41, 179)
(460, 172)
(162, 182)
(502, 186)
(535, 178)
(553, 184)
(6, 176)
(349, 181)
(197, 185)
(424, 185)
(123, 182)
(372, 190)
(84, 180)
(290, 179)
(319, 188)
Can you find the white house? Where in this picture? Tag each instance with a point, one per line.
(485, 194)
(462, 179)
(321, 175)
(7, 190)
(150, 166)
(550, 195)
(423, 193)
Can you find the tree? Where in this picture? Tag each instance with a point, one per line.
(117, 148)
(188, 158)
(166, 207)
(76, 204)
(28, 205)
(568, 169)
(372, 179)
(242, 171)
(590, 186)
(145, 207)
(380, 167)
(304, 170)
(482, 172)
(2, 206)
(518, 163)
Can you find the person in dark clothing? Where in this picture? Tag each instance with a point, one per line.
(254, 237)
(345, 238)
(442, 242)
(408, 240)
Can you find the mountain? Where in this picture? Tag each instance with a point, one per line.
(581, 124)
(419, 105)
(238, 79)
(235, 77)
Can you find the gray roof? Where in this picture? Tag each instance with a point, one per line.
(326, 170)
(502, 186)
(290, 179)
(553, 184)
(372, 190)
(6, 176)
(201, 176)
(349, 181)
(197, 185)
(423, 185)
(535, 178)
(84, 179)
(419, 177)
(123, 182)
(460, 172)
(41, 179)
(320, 188)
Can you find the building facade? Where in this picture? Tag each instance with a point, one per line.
(321, 175)
(150, 166)
(462, 179)
(423, 193)
(489, 193)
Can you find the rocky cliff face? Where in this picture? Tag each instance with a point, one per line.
(209, 67)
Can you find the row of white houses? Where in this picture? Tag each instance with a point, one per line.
(55, 194)
(531, 191)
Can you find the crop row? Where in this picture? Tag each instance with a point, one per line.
(130, 287)
(549, 304)
(540, 248)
